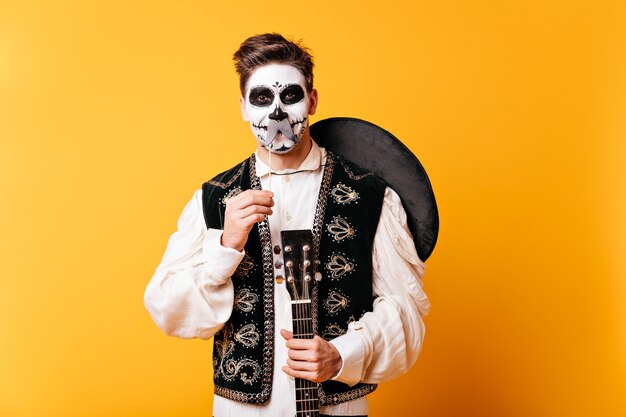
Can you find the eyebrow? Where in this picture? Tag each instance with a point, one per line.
(260, 89)
(303, 86)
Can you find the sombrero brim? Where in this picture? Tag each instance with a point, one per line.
(380, 152)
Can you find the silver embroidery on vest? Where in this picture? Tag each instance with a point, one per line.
(339, 265)
(336, 302)
(352, 174)
(245, 299)
(340, 229)
(247, 369)
(235, 191)
(225, 185)
(245, 266)
(318, 226)
(332, 399)
(248, 336)
(343, 194)
(332, 331)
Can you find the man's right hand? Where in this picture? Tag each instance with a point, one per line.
(242, 212)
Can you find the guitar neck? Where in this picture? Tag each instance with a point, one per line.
(299, 266)
(307, 402)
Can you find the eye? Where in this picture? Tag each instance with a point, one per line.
(261, 96)
(292, 94)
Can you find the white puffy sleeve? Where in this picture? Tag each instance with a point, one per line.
(386, 342)
(191, 293)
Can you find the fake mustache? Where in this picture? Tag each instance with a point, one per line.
(275, 127)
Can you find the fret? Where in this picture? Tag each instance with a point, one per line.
(308, 413)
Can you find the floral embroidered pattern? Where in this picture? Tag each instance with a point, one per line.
(245, 299)
(343, 194)
(248, 370)
(332, 331)
(336, 302)
(248, 336)
(235, 191)
(245, 266)
(340, 229)
(339, 266)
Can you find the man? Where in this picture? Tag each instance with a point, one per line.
(222, 274)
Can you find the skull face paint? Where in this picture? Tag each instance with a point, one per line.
(277, 106)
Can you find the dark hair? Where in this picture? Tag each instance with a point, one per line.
(272, 48)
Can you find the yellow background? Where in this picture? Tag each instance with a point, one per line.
(113, 112)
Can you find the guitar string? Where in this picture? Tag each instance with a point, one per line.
(304, 387)
(310, 403)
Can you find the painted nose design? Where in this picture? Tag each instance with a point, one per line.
(278, 114)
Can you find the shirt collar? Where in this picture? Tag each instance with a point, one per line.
(312, 162)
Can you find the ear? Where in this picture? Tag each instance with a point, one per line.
(313, 102)
(244, 113)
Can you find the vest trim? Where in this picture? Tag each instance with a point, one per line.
(318, 226)
(268, 303)
(334, 399)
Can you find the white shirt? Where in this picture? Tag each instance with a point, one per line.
(191, 293)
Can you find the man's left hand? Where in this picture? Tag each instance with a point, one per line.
(313, 359)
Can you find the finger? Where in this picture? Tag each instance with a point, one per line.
(311, 376)
(286, 334)
(249, 197)
(303, 366)
(251, 192)
(254, 209)
(302, 355)
(302, 344)
(250, 201)
(253, 218)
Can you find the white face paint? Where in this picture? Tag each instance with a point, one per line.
(277, 106)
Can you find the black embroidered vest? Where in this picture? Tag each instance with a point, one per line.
(346, 217)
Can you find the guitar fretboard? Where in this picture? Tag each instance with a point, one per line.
(307, 402)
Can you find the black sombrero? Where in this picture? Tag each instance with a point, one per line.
(380, 152)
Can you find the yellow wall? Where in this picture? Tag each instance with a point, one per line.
(113, 112)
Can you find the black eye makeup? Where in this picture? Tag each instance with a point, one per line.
(292, 94)
(261, 96)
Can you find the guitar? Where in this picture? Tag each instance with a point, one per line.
(299, 270)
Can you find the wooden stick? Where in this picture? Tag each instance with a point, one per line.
(269, 165)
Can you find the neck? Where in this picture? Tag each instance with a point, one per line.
(290, 160)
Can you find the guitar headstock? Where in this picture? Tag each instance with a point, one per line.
(299, 263)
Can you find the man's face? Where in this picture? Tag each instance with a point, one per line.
(277, 105)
